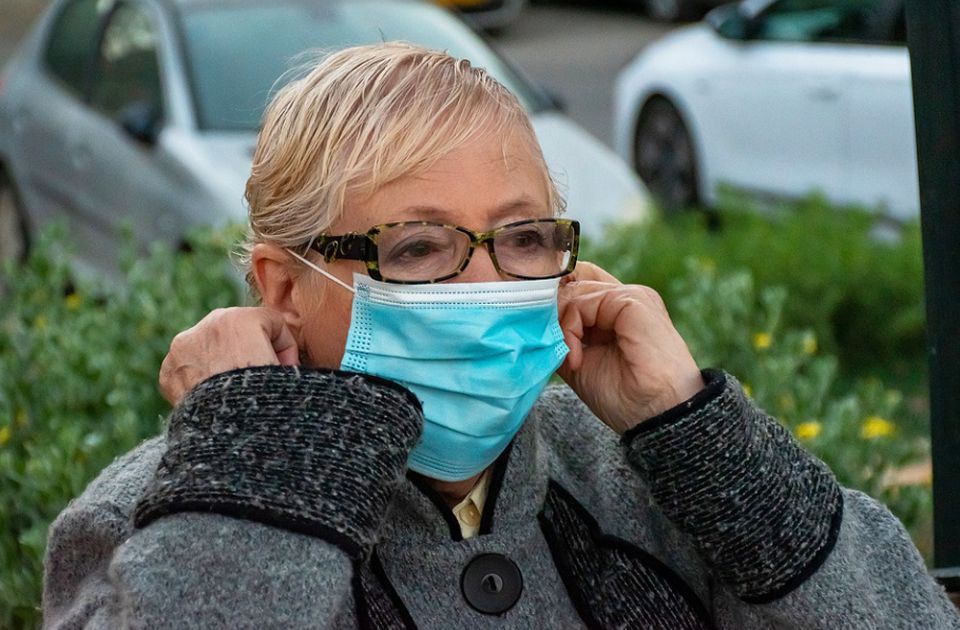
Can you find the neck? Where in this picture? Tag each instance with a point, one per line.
(453, 492)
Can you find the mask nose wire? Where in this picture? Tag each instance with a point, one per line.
(322, 271)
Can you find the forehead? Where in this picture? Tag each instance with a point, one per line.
(492, 179)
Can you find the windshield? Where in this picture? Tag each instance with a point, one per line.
(237, 50)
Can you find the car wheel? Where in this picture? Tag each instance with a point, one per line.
(668, 10)
(664, 156)
(13, 233)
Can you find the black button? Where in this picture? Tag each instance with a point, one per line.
(491, 583)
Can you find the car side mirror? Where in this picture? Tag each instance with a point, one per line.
(141, 121)
(730, 22)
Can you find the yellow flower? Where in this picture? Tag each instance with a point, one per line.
(762, 340)
(73, 301)
(4, 435)
(748, 390)
(808, 430)
(786, 402)
(810, 343)
(40, 323)
(875, 426)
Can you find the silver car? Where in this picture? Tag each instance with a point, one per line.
(144, 113)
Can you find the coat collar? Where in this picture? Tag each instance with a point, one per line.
(418, 515)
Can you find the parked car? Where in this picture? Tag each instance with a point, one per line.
(489, 15)
(777, 97)
(146, 111)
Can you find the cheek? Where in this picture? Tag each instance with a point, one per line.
(324, 332)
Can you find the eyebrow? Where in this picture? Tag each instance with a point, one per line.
(524, 205)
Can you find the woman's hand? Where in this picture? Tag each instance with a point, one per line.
(627, 362)
(226, 339)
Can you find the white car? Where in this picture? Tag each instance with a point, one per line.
(779, 98)
(145, 113)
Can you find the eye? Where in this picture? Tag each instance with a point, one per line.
(416, 249)
(413, 250)
(525, 239)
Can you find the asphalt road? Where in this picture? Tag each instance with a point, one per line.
(572, 48)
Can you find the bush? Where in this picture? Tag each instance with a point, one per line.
(853, 279)
(728, 322)
(78, 384)
(839, 310)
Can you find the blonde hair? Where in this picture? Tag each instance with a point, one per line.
(362, 118)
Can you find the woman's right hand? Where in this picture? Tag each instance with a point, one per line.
(226, 339)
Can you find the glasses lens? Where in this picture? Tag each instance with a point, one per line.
(540, 249)
(417, 252)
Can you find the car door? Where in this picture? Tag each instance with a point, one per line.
(118, 139)
(48, 118)
(779, 105)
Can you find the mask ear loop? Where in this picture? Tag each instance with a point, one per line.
(329, 275)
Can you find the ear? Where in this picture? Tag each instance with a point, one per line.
(276, 274)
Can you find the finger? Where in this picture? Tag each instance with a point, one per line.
(581, 288)
(171, 379)
(289, 356)
(590, 271)
(582, 295)
(574, 358)
(586, 288)
(282, 339)
(566, 371)
(597, 312)
(168, 388)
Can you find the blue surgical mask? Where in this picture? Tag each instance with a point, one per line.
(477, 355)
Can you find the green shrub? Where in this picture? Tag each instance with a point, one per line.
(857, 283)
(728, 322)
(813, 307)
(78, 384)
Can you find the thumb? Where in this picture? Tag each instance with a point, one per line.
(281, 338)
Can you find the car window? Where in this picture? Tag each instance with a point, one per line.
(856, 21)
(127, 69)
(72, 42)
(237, 51)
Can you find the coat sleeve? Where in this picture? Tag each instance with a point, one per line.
(787, 546)
(269, 487)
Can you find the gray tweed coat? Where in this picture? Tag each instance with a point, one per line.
(278, 498)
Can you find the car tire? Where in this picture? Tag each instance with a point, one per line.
(668, 10)
(14, 240)
(665, 158)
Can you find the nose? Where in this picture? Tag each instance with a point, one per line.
(480, 268)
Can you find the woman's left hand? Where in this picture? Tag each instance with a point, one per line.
(627, 362)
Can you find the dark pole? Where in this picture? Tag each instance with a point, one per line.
(933, 34)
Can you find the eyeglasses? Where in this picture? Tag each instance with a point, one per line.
(422, 252)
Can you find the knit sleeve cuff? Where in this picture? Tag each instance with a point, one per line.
(318, 452)
(763, 511)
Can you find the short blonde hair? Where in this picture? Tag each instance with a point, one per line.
(362, 118)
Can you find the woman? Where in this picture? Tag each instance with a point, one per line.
(374, 446)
